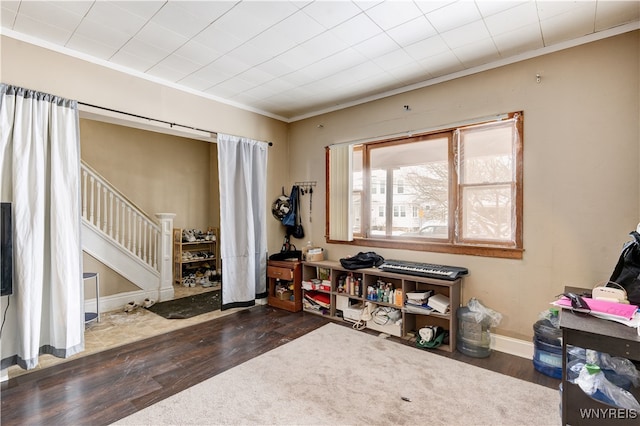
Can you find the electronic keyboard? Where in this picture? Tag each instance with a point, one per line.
(442, 272)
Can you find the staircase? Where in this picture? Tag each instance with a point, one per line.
(126, 239)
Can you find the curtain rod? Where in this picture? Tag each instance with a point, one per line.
(171, 125)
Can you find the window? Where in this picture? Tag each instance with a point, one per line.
(457, 190)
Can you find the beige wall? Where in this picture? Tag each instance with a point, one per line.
(581, 180)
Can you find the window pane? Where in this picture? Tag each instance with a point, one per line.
(486, 154)
(487, 213)
(420, 179)
(378, 203)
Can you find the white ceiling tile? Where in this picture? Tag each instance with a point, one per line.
(261, 91)
(8, 14)
(231, 87)
(276, 67)
(442, 64)
(346, 59)
(575, 23)
(190, 17)
(75, 7)
(10, 5)
(394, 59)
(409, 74)
(549, 9)
(115, 18)
(211, 74)
(156, 35)
(298, 28)
(90, 47)
(610, 14)
(453, 15)
(427, 6)
(248, 19)
(102, 34)
(27, 25)
(145, 52)
(165, 72)
(479, 52)
(178, 65)
(296, 58)
(323, 45)
(519, 41)
(255, 76)
(356, 29)
(132, 61)
(198, 53)
(331, 13)
(492, 7)
(366, 4)
(391, 14)
(465, 34)
(426, 48)
(249, 55)
(376, 46)
(48, 13)
(231, 65)
(144, 9)
(217, 39)
(195, 82)
(412, 31)
(512, 19)
(269, 44)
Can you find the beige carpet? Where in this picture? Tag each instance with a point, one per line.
(336, 375)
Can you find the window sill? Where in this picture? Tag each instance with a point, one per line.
(472, 250)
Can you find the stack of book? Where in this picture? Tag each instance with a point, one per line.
(417, 302)
(316, 301)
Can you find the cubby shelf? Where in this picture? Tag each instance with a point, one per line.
(411, 322)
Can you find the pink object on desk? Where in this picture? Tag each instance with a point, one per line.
(615, 309)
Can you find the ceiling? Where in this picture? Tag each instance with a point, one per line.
(295, 59)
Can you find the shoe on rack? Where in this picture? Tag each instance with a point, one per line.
(148, 303)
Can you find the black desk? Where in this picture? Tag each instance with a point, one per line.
(603, 336)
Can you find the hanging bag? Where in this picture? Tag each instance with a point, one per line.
(627, 270)
(298, 231)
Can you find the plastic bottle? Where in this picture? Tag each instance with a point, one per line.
(474, 338)
(547, 343)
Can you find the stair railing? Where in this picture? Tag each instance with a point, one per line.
(108, 210)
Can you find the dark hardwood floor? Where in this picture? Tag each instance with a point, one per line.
(104, 387)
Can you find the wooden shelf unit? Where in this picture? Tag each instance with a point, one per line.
(411, 322)
(284, 273)
(179, 247)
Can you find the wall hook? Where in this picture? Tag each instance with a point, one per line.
(538, 78)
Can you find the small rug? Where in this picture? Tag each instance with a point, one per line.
(187, 307)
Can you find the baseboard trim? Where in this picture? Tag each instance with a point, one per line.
(517, 347)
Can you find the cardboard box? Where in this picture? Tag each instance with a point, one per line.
(284, 295)
(315, 255)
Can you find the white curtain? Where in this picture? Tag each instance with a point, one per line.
(242, 165)
(40, 159)
(341, 190)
